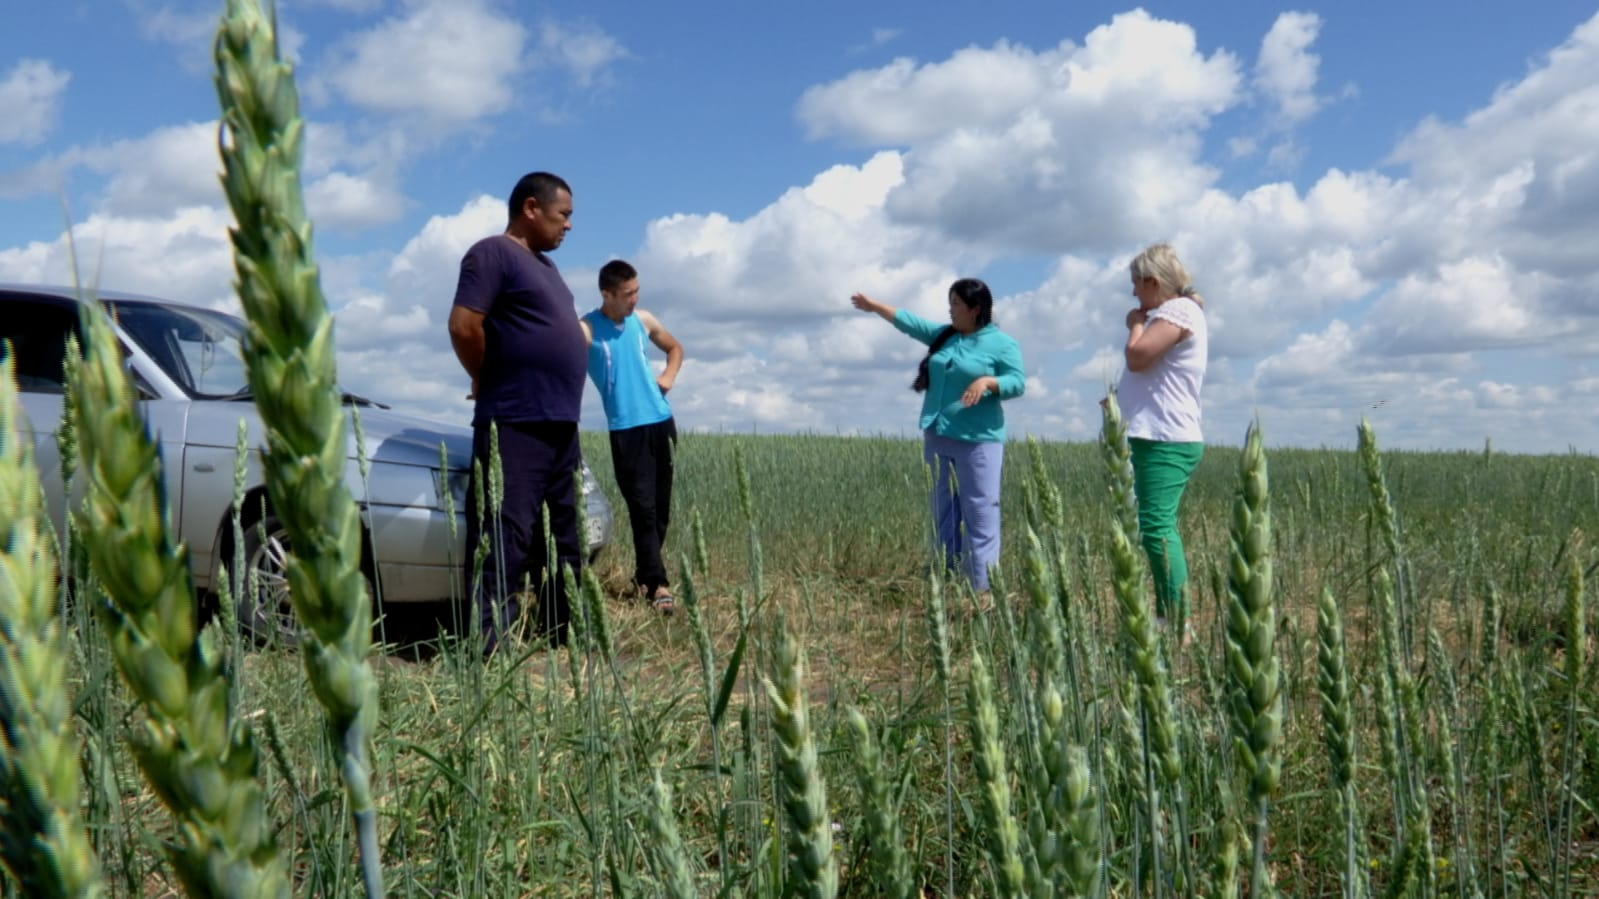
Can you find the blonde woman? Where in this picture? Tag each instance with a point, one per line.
(1167, 346)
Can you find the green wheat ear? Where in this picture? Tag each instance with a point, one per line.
(812, 867)
(891, 866)
(1118, 458)
(667, 845)
(993, 781)
(290, 362)
(1332, 685)
(42, 838)
(1256, 701)
(195, 754)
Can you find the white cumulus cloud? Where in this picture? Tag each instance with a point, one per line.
(341, 201)
(184, 255)
(903, 102)
(30, 97)
(1286, 69)
(446, 61)
(1023, 150)
(584, 51)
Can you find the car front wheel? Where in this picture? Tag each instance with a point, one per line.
(266, 613)
(265, 610)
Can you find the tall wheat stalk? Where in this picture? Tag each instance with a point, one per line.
(99, 711)
(1157, 715)
(1413, 860)
(1070, 855)
(198, 758)
(1256, 701)
(943, 665)
(715, 698)
(667, 847)
(1224, 867)
(1446, 748)
(290, 363)
(891, 865)
(1387, 520)
(1047, 636)
(746, 502)
(1046, 512)
(813, 871)
(43, 841)
(1051, 609)
(993, 779)
(1576, 639)
(1338, 734)
(1118, 457)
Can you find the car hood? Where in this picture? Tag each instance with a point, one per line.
(391, 437)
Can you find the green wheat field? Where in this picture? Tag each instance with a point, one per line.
(539, 773)
(1389, 690)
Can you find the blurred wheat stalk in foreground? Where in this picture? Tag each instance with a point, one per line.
(289, 356)
(42, 837)
(1252, 666)
(198, 758)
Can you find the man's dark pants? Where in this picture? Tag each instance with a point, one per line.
(538, 460)
(642, 458)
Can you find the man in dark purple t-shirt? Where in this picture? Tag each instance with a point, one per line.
(514, 327)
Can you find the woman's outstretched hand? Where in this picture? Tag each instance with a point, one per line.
(866, 304)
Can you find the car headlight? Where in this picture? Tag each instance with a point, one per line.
(455, 481)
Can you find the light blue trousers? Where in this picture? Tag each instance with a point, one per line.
(965, 504)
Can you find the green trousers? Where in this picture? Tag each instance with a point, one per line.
(1160, 472)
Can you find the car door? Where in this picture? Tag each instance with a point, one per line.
(37, 328)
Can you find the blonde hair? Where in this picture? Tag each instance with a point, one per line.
(1159, 261)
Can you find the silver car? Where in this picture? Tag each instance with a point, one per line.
(188, 366)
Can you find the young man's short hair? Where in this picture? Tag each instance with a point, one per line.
(614, 274)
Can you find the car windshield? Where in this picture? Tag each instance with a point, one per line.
(200, 349)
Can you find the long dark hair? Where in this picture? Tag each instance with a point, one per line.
(975, 295)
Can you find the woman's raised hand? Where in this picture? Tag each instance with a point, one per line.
(866, 304)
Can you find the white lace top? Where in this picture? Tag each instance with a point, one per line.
(1162, 401)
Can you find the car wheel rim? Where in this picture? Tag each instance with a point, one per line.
(272, 612)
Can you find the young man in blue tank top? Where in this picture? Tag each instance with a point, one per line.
(643, 434)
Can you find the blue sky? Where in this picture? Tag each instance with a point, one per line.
(1389, 207)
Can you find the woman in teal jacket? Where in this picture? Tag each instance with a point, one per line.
(970, 366)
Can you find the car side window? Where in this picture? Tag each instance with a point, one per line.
(37, 332)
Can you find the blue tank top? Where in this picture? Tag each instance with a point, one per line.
(621, 372)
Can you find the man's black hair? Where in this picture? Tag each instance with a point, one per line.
(541, 186)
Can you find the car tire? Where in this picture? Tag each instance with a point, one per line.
(266, 614)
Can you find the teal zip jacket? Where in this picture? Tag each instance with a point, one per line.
(961, 360)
